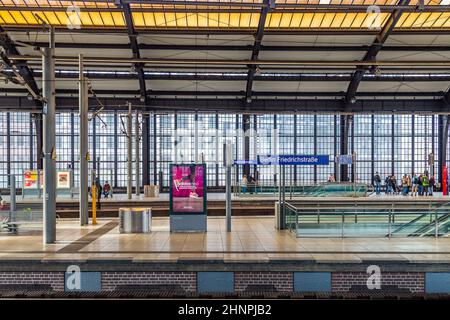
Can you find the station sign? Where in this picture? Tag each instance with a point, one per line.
(294, 160)
(245, 162)
(344, 159)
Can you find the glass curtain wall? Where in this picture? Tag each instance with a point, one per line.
(388, 143)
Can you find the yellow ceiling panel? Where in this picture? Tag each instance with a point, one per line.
(160, 19)
(7, 17)
(96, 18)
(171, 20)
(237, 20)
(149, 19)
(307, 19)
(327, 20)
(347, 23)
(85, 19)
(317, 20)
(415, 20)
(18, 17)
(295, 21)
(63, 18)
(285, 20)
(254, 20)
(31, 19)
(213, 20)
(273, 20)
(224, 20)
(447, 22)
(51, 18)
(138, 19)
(202, 20)
(338, 19)
(192, 20)
(106, 19)
(359, 21)
(432, 20)
(181, 19)
(118, 18)
(440, 22)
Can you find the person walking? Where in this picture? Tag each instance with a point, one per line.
(377, 183)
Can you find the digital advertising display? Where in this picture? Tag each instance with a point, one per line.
(187, 188)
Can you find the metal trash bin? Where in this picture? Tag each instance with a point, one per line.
(135, 220)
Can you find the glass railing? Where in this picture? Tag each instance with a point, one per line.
(322, 190)
(367, 220)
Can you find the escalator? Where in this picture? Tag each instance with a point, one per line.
(425, 224)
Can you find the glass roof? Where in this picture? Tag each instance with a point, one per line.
(222, 14)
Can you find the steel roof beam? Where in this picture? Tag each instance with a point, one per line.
(282, 48)
(255, 51)
(139, 67)
(371, 54)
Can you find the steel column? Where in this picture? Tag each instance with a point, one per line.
(49, 148)
(129, 152)
(84, 155)
(138, 158)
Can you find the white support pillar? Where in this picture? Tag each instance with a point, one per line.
(129, 151)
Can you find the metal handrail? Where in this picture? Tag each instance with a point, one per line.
(389, 210)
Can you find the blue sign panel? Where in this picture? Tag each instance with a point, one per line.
(345, 159)
(243, 162)
(294, 160)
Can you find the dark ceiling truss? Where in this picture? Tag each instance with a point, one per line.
(21, 67)
(139, 67)
(229, 76)
(255, 51)
(234, 31)
(238, 94)
(419, 106)
(281, 48)
(373, 51)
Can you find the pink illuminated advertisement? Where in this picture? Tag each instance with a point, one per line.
(188, 188)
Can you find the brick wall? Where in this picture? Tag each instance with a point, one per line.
(282, 281)
(186, 280)
(413, 282)
(54, 279)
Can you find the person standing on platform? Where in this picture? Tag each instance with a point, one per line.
(409, 183)
(425, 184)
(377, 183)
(244, 183)
(99, 188)
(394, 184)
(432, 183)
(404, 185)
(106, 189)
(388, 185)
(415, 186)
(331, 178)
(420, 185)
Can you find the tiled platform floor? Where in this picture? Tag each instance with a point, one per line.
(252, 239)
